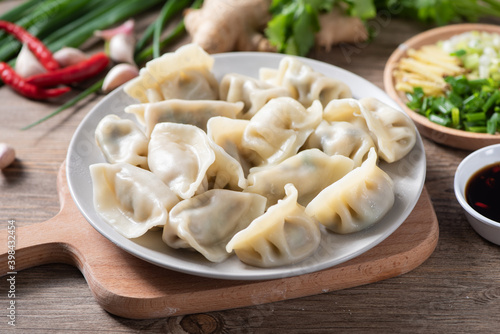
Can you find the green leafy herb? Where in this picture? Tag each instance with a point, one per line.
(470, 105)
(294, 23)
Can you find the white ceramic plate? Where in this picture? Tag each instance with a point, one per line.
(408, 175)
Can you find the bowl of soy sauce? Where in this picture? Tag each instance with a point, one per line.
(477, 188)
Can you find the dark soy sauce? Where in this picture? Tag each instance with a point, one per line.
(482, 191)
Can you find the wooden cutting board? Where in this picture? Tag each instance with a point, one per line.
(129, 287)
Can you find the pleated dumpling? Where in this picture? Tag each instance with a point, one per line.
(394, 131)
(183, 74)
(304, 83)
(180, 155)
(225, 172)
(228, 134)
(252, 92)
(129, 198)
(283, 235)
(310, 171)
(341, 138)
(356, 201)
(279, 129)
(345, 110)
(121, 140)
(208, 221)
(182, 111)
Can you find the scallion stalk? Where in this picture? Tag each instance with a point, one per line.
(176, 32)
(92, 89)
(18, 12)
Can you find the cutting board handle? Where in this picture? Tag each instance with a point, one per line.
(45, 242)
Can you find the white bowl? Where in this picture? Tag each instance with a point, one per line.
(485, 227)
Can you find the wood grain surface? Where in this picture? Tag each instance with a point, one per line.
(456, 290)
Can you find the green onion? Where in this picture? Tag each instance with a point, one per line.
(458, 53)
(471, 127)
(475, 117)
(170, 8)
(471, 105)
(178, 30)
(492, 123)
(444, 121)
(92, 89)
(455, 117)
(118, 10)
(18, 12)
(493, 99)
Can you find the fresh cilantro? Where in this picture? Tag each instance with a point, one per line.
(294, 23)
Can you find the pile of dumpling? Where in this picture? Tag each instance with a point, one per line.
(245, 165)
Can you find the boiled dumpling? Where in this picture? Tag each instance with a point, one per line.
(208, 221)
(129, 198)
(225, 172)
(183, 74)
(304, 83)
(228, 134)
(279, 129)
(180, 154)
(182, 111)
(341, 138)
(356, 201)
(189, 162)
(253, 92)
(121, 140)
(394, 131)
(391, 130)
(345, 110)
(310, 171)
(283, 235)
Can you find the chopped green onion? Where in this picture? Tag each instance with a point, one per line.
(493, 99)
(444, 121)
(471, 105)
(458, 53)
(475, 117)
(455, 117)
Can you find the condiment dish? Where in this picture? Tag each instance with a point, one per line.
(485, 227)
(438, 133)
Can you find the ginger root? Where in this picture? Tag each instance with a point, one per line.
(229, 25)
(338, 28)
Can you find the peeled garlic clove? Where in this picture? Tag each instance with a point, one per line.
(69, 56)
(7, 155)
(118, 75)
(27, 64)
(121, 48)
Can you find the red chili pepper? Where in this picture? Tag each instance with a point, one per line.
(482, 205)
(19, 84)
(41, 52)
(73, 73)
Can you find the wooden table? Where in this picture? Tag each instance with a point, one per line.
(456, 290)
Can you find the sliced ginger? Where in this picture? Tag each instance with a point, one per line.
(426, 68)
